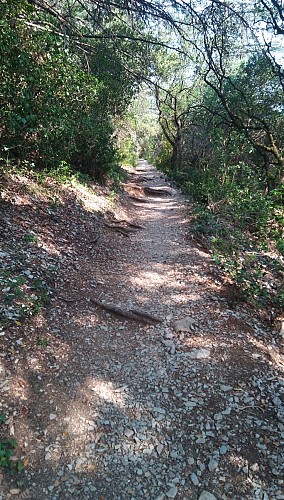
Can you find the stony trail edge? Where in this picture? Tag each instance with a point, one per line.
(187, 408)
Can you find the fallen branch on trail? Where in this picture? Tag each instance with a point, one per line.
(68, 301)
(122, 230)
(126, 230)
(133, 314)
(115, 221)
(126, 223)
(136, 226)
(146, 316)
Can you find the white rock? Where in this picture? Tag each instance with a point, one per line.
(194, 479)
(223, 449)
(199, 354)
(184, 324)
(15, 491)
(168, 343)
(128, 433)
(213, 464)
(159, 449)
(52, 416)
(157, 409)
(226, 388)
(255, 467)
(172, 493)
(147, 451)
(227, 411)
(169, 335)
(205, 495)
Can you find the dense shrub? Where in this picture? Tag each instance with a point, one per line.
(53, 108)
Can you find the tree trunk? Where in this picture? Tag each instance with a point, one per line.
(175, 158)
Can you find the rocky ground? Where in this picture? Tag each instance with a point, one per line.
(105, 407)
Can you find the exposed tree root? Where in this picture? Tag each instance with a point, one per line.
(137, 199)
(133, 314)
(156, 191)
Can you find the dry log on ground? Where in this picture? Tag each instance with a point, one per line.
(122, 230)
(133, 314)
(68, 301)
(115, 221)
(144, 315)
(126, 223)
(136, 226)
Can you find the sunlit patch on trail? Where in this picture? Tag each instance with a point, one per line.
(149, 279)
(108, 392)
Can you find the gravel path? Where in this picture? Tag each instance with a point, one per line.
(189, 409)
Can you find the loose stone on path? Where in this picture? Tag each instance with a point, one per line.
(205, 495)
(184, 325)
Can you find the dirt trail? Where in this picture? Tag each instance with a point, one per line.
(115, 409)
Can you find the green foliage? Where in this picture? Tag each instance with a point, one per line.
(65, 107)
(42, 342)
(230, 166)
(243, 227)
(137, 131)
(162, 156)
(116, 176)
(22, 295)
(8, 446)
(128, 151)
(30, 238)
(53, 108)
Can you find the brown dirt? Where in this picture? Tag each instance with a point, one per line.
(79, 373)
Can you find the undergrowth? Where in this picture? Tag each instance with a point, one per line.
(8, 445)
(63, 174)
(22, 293)
(27, 269)
(243, 228)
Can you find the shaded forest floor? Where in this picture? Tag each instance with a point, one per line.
(105, 407)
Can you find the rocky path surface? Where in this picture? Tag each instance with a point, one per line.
(189, 408)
